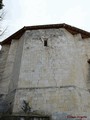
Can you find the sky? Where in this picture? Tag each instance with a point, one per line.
(19, 13)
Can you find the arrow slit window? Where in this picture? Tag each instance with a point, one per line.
(45, 42)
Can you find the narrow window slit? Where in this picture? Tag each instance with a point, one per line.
(45, 43)
(88, 76)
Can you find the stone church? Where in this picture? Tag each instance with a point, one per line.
(47, 66)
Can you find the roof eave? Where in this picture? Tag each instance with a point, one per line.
(71, 29)
(16, 35)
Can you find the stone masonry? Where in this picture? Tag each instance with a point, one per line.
(54, 77)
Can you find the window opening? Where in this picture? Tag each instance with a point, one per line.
(45, 43)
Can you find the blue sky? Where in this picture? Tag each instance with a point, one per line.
(21, 13)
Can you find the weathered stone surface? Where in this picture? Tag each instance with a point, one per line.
(52, 78)
(3, 59)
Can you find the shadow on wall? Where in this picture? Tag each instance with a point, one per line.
(24, 117)
(5, 106)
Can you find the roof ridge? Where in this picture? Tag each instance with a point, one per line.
(73, 30)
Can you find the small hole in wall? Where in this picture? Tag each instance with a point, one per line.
(88, 61)
(45, 43)
(1, 95)
(27, 47)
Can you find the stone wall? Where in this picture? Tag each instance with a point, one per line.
(3, 59)
(54, 77)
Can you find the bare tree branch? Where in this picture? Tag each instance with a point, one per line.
(2, 15)
(2, 32)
